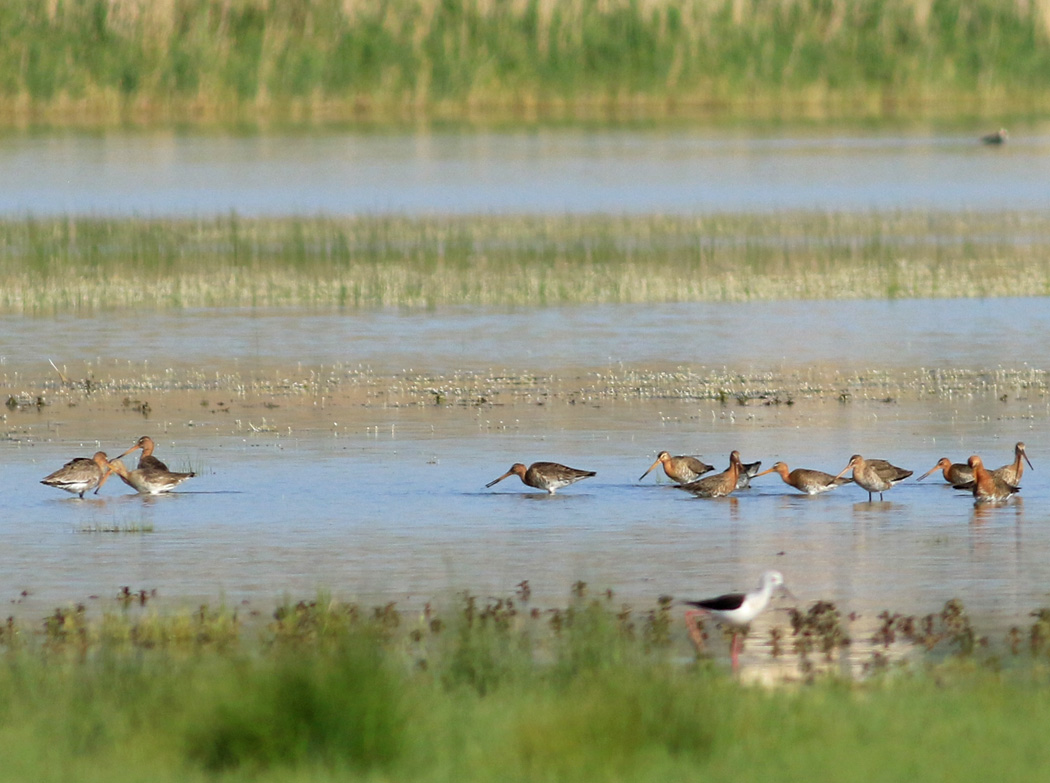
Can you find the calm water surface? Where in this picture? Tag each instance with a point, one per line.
(534, 171)
(909, 334)
(389, 503)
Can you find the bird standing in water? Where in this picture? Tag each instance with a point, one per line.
(736, 610)
(719, 485)
(954, 472)
(812, 482)
(148, 480)
(548, 476)
(682, 469)
(987, 487)
(79, 474)
(875, 475)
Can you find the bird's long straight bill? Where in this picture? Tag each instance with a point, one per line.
(649, 471)
(497, 481)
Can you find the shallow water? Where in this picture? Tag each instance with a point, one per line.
(974, 333)
(550, 171)
(377, 501)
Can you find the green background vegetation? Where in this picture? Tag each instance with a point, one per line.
(201, 61)
(492, 691)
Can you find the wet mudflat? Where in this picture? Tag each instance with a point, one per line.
(366, 480)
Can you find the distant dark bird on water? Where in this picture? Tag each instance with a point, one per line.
(999, 137)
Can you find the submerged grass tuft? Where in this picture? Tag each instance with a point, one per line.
(87, 264)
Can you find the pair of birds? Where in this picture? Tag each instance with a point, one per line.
(688, 473)
(552, 476)
(988, 486)
(151, 477)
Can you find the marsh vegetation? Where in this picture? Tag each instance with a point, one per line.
(104, 62)
(497, 689)
(80, 264)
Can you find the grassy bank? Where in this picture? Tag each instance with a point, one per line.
(101, 62)
(80, 265)
(496, 690)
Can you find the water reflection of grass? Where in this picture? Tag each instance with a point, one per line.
(492, 690)
(79, 264)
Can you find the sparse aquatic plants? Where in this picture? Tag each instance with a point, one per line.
(383, 261)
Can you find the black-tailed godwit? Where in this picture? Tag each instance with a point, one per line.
(149, 480)
(954, 472)
(1011, 473)
(812, 482)
(748, 470)
(682, 469)
(548, 476)
(987, 487)
(79, 474)
(719, 485)
(146, 460)
(874, 475)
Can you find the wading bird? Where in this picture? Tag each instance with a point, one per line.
(719, 485)
(812, 482)
(987, 487)
(874, 475)
(79, 474)
(954, 472)
(736, 610)
(1011, 473)
(748, 470)
(682, 469)
(549, 476)
(146, 460)
(148, 481)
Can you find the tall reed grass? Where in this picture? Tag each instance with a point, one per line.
(84, 264)
(109, 61)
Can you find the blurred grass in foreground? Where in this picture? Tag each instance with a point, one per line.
(495, 691)
(105, 62)
(85, 264)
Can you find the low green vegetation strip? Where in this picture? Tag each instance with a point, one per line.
(497, 690)
(99, 62)
(82, 264)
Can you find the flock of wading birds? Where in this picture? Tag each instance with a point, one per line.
(735, 610)
(874, 475)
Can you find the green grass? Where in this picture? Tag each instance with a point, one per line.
(498, 691)
(104, 62)
(83, 264)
